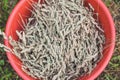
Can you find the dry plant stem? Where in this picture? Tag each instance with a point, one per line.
(61, 40)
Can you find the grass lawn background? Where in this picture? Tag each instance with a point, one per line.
(112, 71)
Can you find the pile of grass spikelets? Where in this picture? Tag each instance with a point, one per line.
(60, 41)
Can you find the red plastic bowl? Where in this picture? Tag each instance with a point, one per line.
(105, 20)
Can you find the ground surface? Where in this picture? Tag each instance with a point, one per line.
(112, 72)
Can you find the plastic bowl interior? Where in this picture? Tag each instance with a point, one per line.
(106, 21)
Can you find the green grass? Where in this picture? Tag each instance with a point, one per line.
(112, 72)
(5, 5)
(116, 1)
(6, 71)
(5, 9)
